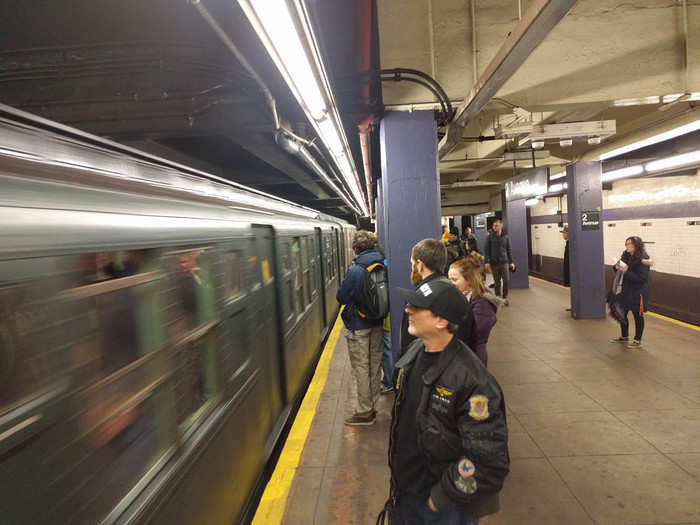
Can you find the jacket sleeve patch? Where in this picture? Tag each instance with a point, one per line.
(465, 468)
(479, 407)
(466, 485)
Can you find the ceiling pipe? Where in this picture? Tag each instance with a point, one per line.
(285, 138)
(298, 149)
(541, 17)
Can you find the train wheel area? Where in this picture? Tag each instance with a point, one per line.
(585, 417)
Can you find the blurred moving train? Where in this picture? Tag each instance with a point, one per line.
(153, 339)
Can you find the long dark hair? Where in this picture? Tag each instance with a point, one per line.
(639, 251)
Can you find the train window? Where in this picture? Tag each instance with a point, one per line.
(328, 257)
(233, 274)
(253, 265)
(298, 278)
(75, 316)
(307, 268)
(286, 257)
(191, 321)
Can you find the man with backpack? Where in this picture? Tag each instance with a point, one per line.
(364, 293)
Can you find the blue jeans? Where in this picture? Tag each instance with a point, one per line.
(414, 511)
(387, 361)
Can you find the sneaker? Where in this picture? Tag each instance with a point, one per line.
(619, 340)
(634, 344)
(387, 389)
(362, 419)
(505, 301)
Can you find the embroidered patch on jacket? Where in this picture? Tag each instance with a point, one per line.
(466, 485)
(479, 407)
(465, 468)
(425, 289)
(443, 391)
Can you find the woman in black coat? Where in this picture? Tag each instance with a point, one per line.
(634, 263)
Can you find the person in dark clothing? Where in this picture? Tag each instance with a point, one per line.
(567, 276)
(455, 248)
(428, 258)
(470, 240)
(466, 276)
(363, 336)
(448, 449)
(499, 259)
(634, 295)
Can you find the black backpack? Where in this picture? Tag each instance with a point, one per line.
(373, 303)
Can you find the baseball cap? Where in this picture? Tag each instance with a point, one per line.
(454, 230)
(439, 296)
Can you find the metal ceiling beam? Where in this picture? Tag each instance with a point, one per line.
(535, 25)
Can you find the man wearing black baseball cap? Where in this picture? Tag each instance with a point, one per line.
(448, 449)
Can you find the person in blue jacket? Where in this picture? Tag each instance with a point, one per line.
(634, 296)
(363, 336)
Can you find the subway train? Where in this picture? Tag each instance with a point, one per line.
(156, 331)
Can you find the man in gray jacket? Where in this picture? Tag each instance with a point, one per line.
(499, 259)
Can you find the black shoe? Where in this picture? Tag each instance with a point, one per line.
(492, 285)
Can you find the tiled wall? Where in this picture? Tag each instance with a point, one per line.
(671, 242)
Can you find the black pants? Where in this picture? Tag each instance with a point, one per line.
(501, 273)
(638, 324)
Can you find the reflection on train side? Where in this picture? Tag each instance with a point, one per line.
(105, 359)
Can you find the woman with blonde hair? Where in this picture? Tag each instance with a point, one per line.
(466, 275)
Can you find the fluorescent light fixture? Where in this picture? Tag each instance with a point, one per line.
(531, 202)
(565, 143)
(330, 137)
(556, 176)
(622, 173)
(666, 135)
(558, 187)
(537, 144)
(285, 30)
(592, 141)
(279, 27)
(673, 162)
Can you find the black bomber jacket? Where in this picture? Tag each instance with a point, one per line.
(461, 416)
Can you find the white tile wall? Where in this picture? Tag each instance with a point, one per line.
(547, 240)
(627, 193)
(671, 243)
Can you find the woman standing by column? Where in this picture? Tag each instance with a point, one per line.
(466, 275)
(634, 263)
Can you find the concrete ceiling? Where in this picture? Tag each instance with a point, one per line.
(603, 53)
(153, 75)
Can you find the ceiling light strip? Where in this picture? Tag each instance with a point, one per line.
(278, 24)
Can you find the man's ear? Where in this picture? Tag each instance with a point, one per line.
(441, 323)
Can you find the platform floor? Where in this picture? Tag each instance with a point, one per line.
(598, 434)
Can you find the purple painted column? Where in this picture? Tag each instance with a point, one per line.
(480, 231)
(411, 194)
(380, 224)
(585, 203)
(515, 225)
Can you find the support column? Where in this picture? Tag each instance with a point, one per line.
(515, 225)
(379, 212)
(584, 198)
(480, 230)
(411, 195)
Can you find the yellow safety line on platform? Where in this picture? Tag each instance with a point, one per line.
(653, 314)
(274, 500)
(674, 321)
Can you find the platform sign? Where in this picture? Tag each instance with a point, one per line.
(530, 184)
(590, 220)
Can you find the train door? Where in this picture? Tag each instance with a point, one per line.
(321, 278)
(337, 243)
(264, 319)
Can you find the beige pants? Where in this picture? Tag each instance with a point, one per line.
(365, 351)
